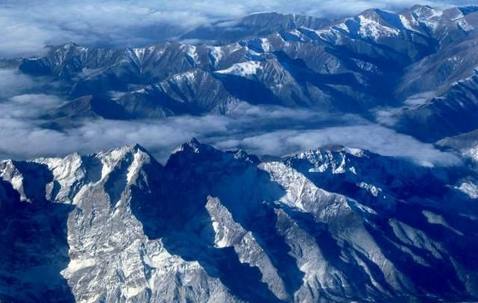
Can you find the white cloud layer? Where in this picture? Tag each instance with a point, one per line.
(260, 130)
(372, 137)
(13, 83)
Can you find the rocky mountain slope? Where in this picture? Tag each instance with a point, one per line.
(328, 225)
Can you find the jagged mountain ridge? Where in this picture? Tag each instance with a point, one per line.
(258, 24)
(357, 64)
(330, 225)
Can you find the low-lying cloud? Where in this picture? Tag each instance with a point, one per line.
(13, 83)
(28, 106)
(261, 130)
(28, 26)
(372, 137)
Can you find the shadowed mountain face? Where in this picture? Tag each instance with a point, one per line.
(413, 70)
(33, 241)
(329, 225)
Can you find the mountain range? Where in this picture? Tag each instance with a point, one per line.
(329, 225)
(414, 71)
(332, 224)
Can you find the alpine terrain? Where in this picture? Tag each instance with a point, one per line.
(328, 225)
(216, 222)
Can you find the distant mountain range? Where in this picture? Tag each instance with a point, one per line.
(414, 70)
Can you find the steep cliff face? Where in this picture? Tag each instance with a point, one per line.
(213, 226)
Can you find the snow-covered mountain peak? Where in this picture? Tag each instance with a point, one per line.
(243, 69)
(141, 232)
(372, 25)
(192, 146)
(127, 161)
(332, 153)
(63, 177)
